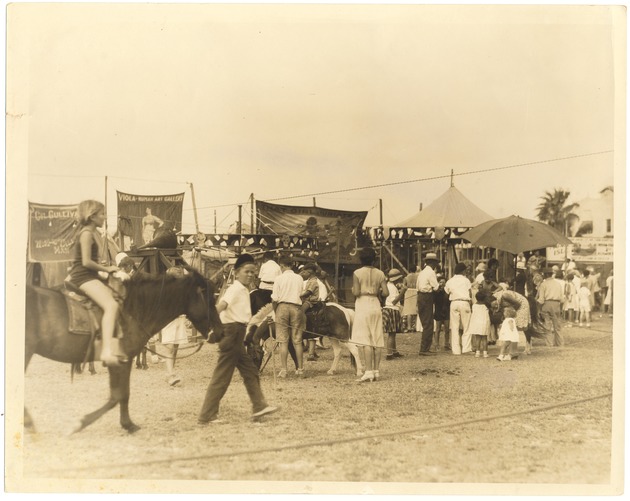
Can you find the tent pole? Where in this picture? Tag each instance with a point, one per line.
(105, 250)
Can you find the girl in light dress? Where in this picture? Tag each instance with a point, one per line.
(479, 325)
(508, 334)
(584, 296)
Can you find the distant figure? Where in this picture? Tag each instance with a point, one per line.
(584, 297)
(269, 271)
(410, 303)
(442, 315)
(392, 320)
(478, 328)
(549, 296)
(427, 284)
(149, 224)
(608, 300)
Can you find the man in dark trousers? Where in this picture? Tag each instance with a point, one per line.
(427, 284)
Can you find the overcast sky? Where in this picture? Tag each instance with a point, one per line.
(292, 100)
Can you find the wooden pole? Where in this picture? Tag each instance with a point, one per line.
(239, 229)
(337, 256)
(215, 221)
(105, 249)
(314, 202)
(192, 192)
(251, 226)
(380, 222)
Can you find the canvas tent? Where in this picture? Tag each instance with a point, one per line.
(439, 224)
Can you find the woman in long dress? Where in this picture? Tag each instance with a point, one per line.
(368, 284)
(149, 223)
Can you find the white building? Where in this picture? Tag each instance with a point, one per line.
(593, 217)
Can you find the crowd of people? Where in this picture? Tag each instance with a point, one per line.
(472, 309)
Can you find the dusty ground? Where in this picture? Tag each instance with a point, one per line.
(564, 445)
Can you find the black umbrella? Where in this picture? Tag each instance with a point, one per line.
(515, 234)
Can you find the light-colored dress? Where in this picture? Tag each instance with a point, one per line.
(176, 332)
(479, 321)
(367, 329)
(609, 291)
(519, 303)
(508, 331)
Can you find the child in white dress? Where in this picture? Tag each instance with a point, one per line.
(508, 334)
(479, 325)
(584, 298)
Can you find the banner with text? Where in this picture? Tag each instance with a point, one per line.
(140, 215)
(51, 232)
(584, 249)
(328, 226)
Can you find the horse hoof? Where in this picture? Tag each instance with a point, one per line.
(132, 428)
(75, 429)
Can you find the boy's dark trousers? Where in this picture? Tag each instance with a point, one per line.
(232, 355)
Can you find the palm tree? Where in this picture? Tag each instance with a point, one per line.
(553, 211)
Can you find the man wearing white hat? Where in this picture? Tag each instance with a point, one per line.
(427, 284)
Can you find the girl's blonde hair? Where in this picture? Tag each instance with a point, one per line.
(87, 209)
(509, 312)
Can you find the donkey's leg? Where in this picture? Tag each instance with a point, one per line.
(336, 355)
(28, 421)
(357, 358)
(121, 391)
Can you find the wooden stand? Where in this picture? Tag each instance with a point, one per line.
(156, 261)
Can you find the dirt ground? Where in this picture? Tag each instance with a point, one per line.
(310, 440)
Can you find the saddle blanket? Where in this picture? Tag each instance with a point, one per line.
(84, 316)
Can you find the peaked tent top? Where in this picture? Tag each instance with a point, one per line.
(451, 210)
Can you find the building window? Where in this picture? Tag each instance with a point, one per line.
(608, 225)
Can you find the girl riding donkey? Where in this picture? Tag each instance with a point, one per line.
(84, 275)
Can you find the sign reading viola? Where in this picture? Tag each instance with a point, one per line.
(328, 226)
(51, 232)
(139, 216)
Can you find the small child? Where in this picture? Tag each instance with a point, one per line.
(441, 315)
(479, 325)
(392, 319)
(508, 334)
(584, 301)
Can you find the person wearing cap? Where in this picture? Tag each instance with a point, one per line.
(290, 320)
(392, 319)
(235, 311)
(458, 288)
(368, 285)
(427, 284)
(549, 296)
(480, 269)
(521, 277)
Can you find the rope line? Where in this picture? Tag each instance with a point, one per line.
(410, 181)
(343, 440)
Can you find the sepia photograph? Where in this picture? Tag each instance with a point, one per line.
(325, 249)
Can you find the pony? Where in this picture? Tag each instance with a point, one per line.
(150, 303)
(330, 319)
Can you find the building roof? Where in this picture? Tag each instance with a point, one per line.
(451, 210)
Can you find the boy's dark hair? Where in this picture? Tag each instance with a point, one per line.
(285, 261)
(460, 268)
(268, 255)
(493, 262)
(367, 256)
(481, 297)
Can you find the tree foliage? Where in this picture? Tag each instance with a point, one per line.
(552, 209)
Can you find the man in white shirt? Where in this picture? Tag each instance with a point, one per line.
(269, 271)
(458, 289)
(290, 320)
(427, 284)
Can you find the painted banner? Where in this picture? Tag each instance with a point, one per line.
(328, 226)
(51, 232)
(140, 215)
(584, 249)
